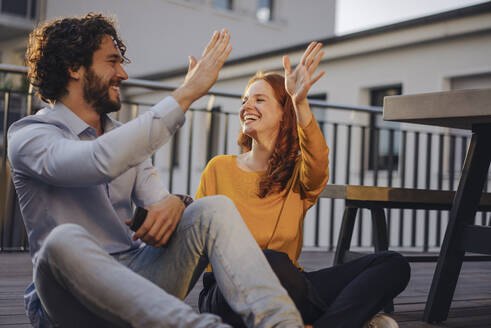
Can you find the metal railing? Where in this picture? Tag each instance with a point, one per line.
(416, 158)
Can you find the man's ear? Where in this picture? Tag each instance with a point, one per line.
(75, 73)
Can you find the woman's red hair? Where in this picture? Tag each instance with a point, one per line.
(282, 160)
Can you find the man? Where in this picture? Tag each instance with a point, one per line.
(76, 172)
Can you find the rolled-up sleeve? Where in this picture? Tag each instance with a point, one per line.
(42, 149)
(148, 187)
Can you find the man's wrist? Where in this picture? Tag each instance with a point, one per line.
(183, 97)
(186, 199)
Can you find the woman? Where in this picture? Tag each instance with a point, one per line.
(279, 175)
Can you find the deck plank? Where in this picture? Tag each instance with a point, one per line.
(471, 306)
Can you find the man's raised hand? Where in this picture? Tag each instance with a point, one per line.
(203, 73)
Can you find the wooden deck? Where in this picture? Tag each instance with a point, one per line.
(471, 306)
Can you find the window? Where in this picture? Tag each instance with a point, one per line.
(318, 96)
(384, 144)
(264, 12)
(223, 4)
(23, 8)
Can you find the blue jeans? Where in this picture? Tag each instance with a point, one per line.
(80, 285)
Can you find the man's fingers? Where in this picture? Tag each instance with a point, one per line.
(167, 234)
(210, 44)
(286, 65)
(307, 52)
(224, 57)
(220, 46)
(146, 226)
(192, 63)
(153, 233)
(165, 228)
(142, 231)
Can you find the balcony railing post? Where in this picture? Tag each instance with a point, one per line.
(4, 171)
(333, 181)
(415, 185)
(318, 205)
(172, 161)
(210, 113)
(362, 182)
(190, 152)
(403, 184)
(29, 100)
(426, 227)
(439, 187)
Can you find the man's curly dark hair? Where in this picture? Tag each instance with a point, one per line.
(65, 43)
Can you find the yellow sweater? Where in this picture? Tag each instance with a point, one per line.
(222, 176)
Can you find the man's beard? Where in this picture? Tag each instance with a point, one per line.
(97, 94)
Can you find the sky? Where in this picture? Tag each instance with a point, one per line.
(356, 15)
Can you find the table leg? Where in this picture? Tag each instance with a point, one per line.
(380, 240)
(345, 234)
(463, 211)
(379, 230)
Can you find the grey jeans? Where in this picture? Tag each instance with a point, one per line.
(80, 285)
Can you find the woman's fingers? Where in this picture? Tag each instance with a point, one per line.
(311, 69)
(307, 52)
(311, 57)
(317, 77)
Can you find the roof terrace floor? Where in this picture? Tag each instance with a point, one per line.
(471, 306)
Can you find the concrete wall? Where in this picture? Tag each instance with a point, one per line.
(160, 34)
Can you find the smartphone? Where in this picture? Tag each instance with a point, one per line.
(138, 218)
(141, 213)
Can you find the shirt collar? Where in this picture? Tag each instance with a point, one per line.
(75, 123)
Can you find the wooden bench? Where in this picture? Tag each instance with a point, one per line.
(377, 199)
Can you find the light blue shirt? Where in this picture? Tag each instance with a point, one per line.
(64, 173)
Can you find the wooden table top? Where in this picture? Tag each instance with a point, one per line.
(454, 109)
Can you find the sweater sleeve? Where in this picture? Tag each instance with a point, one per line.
(314, 166)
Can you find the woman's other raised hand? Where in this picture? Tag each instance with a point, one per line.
(299, 81)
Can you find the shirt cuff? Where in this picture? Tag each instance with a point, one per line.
(172, 111)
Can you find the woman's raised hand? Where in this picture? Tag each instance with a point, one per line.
(298, 82)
